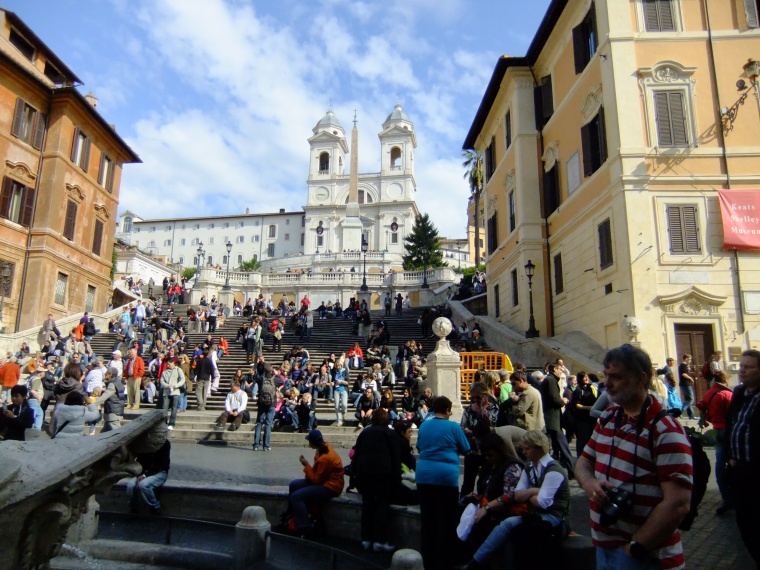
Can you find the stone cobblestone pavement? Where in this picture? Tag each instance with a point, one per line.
(712, 544)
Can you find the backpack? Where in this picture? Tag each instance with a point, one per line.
(700, 467)
(267, 394)
(707, 372)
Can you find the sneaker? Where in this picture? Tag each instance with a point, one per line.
(169, 428)
(255, 447)
(366, 544)
(267, 449)
(218, 426)
(383, 547)
(340, 423)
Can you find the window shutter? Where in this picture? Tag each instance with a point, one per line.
(508, 129)
(651, 20)
(665, 13)
(109, 182)
(678, 119)
(97, 240)
(601, 125)
(671, 119)
(750, 11)
(40, 123)
(18, 118)
(691, 229)
(546, 95)
(676, 230)
(27, 208)
(75, 145)
(579, 49)
(538, 106)
(70, 222)
(86, 154)
(588, 167)
(5, 197)
(662, 117)
(551, 191)
(605, 244)
(101, 178)
(559, 284)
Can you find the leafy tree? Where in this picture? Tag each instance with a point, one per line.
(473, 164)
(188, 273)
(423, 248)
(251, 265)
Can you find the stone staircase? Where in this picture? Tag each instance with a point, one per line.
(328, 336)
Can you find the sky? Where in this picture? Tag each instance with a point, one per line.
(218, 97)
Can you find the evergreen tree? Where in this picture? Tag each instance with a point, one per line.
(423, 248)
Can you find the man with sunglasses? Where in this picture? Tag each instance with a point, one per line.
(618, 459)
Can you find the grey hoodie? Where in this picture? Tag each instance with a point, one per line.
(76, 416)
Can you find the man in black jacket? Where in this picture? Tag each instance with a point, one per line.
(204, 371)
(155, 471)
(552, 403)
(743, 431)
(17, 417)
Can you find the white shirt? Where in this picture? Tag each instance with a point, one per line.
(118, 364)
(236, 401)
(551, 483)
(94, 379)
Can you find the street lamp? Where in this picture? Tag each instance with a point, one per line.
(6, 273)
(459, 254)
(529, 270)
(424, 269)
(227, 280)
(201, 254)
(365, 246)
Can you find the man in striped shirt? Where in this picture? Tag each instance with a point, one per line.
(743, 427)
(635, 449)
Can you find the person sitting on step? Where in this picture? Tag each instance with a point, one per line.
(234, 408)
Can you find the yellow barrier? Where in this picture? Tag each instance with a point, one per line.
(472, 362)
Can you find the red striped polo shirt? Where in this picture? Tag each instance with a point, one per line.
(616, 448)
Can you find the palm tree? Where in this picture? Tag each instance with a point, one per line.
(473, 165)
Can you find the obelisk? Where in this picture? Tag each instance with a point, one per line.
(352, 224)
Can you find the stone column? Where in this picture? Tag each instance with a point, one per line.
(251, 543)
(443, 368)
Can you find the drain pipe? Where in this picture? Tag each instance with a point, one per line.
(714, 81)
(548, 251)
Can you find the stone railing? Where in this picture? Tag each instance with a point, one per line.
(46, 485)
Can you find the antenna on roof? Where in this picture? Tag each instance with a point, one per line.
(354, 117)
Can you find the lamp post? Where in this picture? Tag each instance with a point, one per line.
(459, 254)
(529, 270)
(424, 269)
(227, 279)
(6, 273)
(365, 246)
(201, 254)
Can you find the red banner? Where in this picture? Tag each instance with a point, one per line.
(740, 210)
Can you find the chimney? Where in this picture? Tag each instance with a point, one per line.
(282, 210)
(247, 211)
(91, 99)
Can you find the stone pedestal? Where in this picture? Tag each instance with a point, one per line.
(444, 366)
(364, 296)
(227, 298)
(251, 543)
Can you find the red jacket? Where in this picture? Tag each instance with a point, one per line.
(10, 374)
(715, 404)
(138, 370)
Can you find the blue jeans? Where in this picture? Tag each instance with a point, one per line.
(617, 559)
(146, 490)
(39, 414)
(688, 400)
(301, 492)
(182, 402)
(499, 538)
(266, 417)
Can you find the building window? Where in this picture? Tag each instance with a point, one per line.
(493, 234)
(303, 239)
(752, 13)
(211, 226)
(512, 217)
(89, 300)
(152, 228)
(585, 40)
(255, 239)
(183, 241)
(658, 15)
(508, 130)
(240, 260)
(272, 231)
(127, 225)
(224, 260)
(239, 239)
(515, 292)
(225, 225)
(559, 282)
(22, 44)
(16, 202)
(490, 159)
(182, 260)
(226, 239)
(303, 221)
(605, 244)
(70, 221)
(287, 221)
(80, 150)
(394, 237)
(543, 101)
(683, 228)
(196, 260)
(496, 301)
(210, 260)
(670, 116)
(97, 238)
(240, 224)
(196, 226)
(211, 241)
(287, 237)
(594, 143)
(320, 241)
(152, 243)
(395, 158)
(195, 241)
(324, 163)
(551, 190)
(167, 242)
(28, 124)
(105, 175)
(168, 228)
(270, 250)
(60, 289)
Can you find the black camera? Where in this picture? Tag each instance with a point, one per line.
(620, 502)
